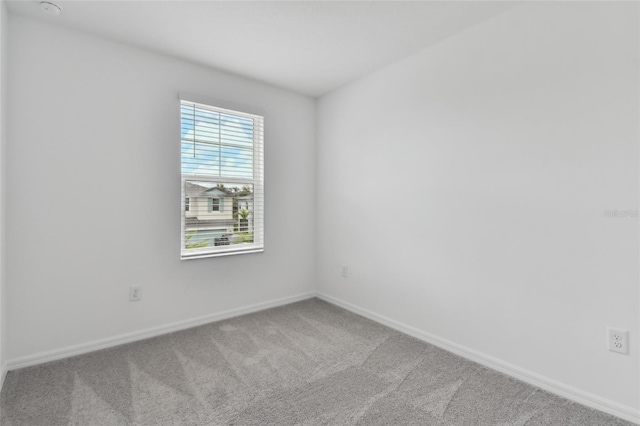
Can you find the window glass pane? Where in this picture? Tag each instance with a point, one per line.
(216, 144)
(224, 207)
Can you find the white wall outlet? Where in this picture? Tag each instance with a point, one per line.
(135, 293)
(345, 271)
(618, 340)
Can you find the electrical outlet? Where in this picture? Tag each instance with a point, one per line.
(135, 293)
(345, 271)
(618, 340)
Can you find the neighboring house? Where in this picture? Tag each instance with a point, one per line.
(245, 203)
(208, 212)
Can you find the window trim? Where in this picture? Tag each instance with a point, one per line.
(258, 182)
(214, 202)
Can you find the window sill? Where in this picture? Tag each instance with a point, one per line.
(220, 254)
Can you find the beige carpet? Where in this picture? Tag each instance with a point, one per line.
(309, 363)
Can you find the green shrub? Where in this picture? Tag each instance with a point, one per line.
(191, 245)
(244, 237)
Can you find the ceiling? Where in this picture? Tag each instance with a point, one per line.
(310, 47)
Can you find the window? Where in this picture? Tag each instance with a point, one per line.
(222, 181)
(214, 205)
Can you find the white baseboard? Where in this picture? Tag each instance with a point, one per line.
(3, 374)
(56, 354)
(535, 379)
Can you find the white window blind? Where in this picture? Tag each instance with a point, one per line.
(223, 181)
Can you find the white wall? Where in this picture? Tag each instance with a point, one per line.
(99, 121)
(3, 131)
(511, 140)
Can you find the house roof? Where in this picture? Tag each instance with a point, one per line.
(205, 189)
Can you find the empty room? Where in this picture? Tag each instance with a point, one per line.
(319, 213)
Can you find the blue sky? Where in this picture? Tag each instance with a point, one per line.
(223, 143)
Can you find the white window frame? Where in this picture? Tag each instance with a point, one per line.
(215, 202)
(257, 183)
